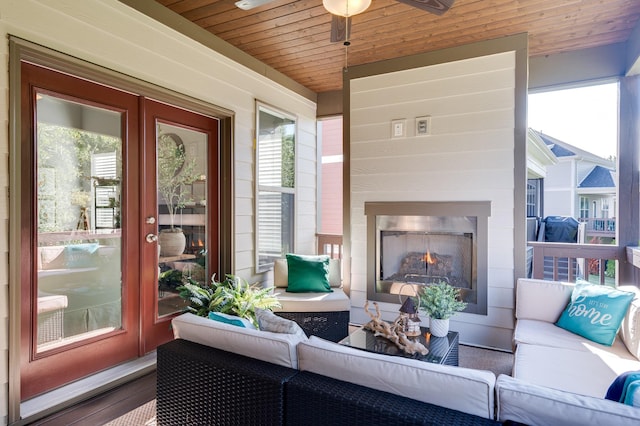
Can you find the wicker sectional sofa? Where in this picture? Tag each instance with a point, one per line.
(220, 374)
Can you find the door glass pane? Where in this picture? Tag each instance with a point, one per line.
(182, 208)
(79, 182)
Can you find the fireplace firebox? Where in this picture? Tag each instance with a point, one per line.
(415, 244)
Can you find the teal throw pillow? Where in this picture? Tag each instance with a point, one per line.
(308, 274)
(230, 319)
(595, 312)
(81, 255)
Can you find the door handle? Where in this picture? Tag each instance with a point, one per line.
(151, 238)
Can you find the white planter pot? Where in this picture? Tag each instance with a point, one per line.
(171, 243)
(439, 327)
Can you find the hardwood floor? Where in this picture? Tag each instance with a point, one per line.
(105, 407)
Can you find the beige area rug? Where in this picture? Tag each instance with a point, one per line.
(145, 415)
(485, 359)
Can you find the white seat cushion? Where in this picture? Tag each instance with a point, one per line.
(312, 302)
(585, 372)
(51, 302)
(462, 389)
(276, 348)
(543, 333)
(533, 405)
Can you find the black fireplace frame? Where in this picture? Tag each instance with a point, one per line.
(480, 210)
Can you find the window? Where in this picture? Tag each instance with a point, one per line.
(584, 207)
(605, 208)
(275, 172)
(533, 197)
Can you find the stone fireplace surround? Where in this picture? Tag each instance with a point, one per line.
(466, 218)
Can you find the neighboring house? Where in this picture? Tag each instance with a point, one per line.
(581, 185)
(539, 159)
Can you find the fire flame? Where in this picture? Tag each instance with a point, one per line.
(200, 243)
(428, 259)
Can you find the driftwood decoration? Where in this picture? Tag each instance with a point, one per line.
(393, 332)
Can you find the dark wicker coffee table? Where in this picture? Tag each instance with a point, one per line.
(442, 350)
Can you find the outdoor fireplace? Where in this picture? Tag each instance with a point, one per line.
(415, 244)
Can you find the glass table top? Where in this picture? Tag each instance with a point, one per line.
(439, 347)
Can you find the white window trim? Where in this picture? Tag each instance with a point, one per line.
(258, 188)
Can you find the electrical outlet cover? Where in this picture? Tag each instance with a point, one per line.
(423, 125)
(397, 128)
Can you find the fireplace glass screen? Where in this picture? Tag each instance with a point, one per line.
(426, 258)
(425, 250)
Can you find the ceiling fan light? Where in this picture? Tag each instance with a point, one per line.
(250, 4)
(346, 7)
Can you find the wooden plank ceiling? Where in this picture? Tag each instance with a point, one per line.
(293, 36)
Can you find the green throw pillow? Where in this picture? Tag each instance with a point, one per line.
(308, 274)
(595, 312)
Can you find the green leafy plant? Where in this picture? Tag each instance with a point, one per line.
(441, 300)
(170, 279)
(233, 296)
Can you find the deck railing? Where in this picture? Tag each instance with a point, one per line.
(330, 245)
(551, 261)
(599, 227)
(568, 261)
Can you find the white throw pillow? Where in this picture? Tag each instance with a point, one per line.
(276, 348)
(268, 321)
(541, 300)
(630, 327)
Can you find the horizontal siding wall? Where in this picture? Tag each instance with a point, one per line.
(4, 231)
(469, 156)
(112, 35)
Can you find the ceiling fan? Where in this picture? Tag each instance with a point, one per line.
(342, 10)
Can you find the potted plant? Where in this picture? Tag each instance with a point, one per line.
(440, 302)
(174, 171)
(233, 296)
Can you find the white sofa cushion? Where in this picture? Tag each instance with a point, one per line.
(585, 372)
(462, 389)
(281, 273)
(275, 348)
(534, 405)
(630, 327)
(312, 302)
(541, 300)
(51, 302)
(543, 333)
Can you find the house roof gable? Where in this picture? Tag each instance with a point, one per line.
(599, 177)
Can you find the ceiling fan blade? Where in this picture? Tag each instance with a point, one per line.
(340, 25)
(434, 6)
(250, 4)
